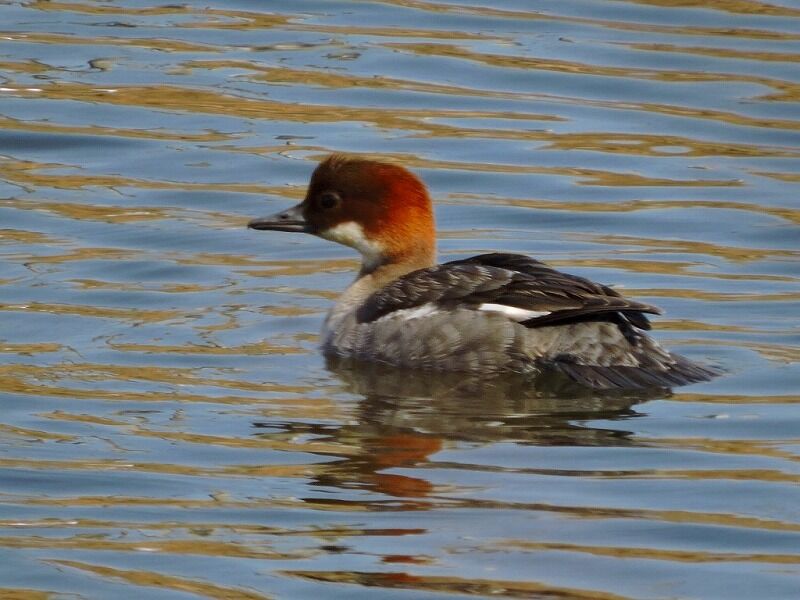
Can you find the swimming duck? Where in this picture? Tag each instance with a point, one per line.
(493, 313)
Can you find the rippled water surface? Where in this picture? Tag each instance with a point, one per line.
(168, 428)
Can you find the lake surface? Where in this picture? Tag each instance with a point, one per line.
(168, 428)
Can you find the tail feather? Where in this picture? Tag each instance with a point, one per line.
(680, 372)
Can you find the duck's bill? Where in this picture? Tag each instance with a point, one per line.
(286, 220)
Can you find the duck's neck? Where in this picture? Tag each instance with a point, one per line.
(372, 279)
(388, 268)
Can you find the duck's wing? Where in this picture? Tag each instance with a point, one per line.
(520, 287)
(571, 283)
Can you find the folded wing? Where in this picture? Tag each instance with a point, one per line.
(524, 289)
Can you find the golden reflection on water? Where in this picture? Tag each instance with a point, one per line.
(28, 175)
(455, 585)
(736, 6)
(653, 553)
(789, 177)
(789, 214)
(583, 176)
(569, 512)
(693, 247)
(168, 97)
(152, 579)
(189, 547)
(782, 353)
(243, 20)
(685, 269)
(656, 145)
(285, 75)
(713, 296)
(136, 315)
(162, 45)
(151, 134)
(735, 399)
(735, 447)
(35, 380)
(746, 7)
(719, 52)
(30, 349)
(257, 349)
(25, 594)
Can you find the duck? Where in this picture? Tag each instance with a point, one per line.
(487, 315)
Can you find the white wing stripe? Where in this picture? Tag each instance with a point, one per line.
(430, 308)
(512, 312)
(412, 313)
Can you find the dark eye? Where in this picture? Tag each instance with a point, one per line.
(329, 200)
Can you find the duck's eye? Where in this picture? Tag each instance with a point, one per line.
(329, 200)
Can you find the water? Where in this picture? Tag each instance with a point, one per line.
(169, 429)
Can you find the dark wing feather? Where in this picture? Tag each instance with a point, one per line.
(511, 280)
(558, 280)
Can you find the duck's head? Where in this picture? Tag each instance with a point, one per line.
(380, 209)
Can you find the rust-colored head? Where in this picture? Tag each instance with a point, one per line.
(380, 209)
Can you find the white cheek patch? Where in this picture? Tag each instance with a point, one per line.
(512, 312)
(352, 234)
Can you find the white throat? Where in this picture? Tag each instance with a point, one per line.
(352, 234)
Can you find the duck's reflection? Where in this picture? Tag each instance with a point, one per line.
(407, 416)
(547, 410)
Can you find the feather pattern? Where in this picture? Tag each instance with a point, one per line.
(511, 280)
(467, 315)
